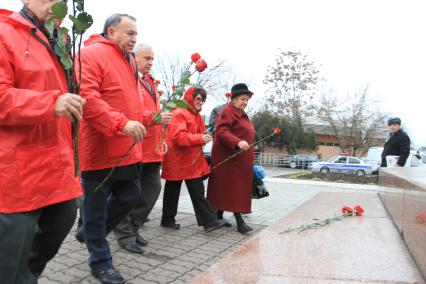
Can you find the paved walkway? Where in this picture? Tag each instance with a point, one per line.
(177, 256)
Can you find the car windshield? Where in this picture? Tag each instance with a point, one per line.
(332, 159)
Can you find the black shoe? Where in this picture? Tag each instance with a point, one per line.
(227, 224)
(213, 226)
(244, 228)
(133, 247)
(79, 236)
(141, 241)
(110, 276)
(172, 225)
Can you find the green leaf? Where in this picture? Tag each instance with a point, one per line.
(50, 26)
(179, 91)
(170, 105)
(82, 22)
(66, 61)
(60, 50)
(68, 47)
(60, 10)
(157, 117)
(62, 34)
(180, 103)
(185, 81)
(79, 5)
(185, 77)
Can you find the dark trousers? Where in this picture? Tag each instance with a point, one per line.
(102, 211)
(29, 240)
(127, 230)
(202, 208)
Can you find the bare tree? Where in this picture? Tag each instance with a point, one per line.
(356, 120)
(217, 79)
(292, 84)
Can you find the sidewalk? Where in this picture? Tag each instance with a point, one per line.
(177, 256)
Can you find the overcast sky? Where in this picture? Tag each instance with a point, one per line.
(357, 42)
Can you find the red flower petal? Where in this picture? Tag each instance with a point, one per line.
(195, 57)
(201, 65)
(347, 209)
(358, 210)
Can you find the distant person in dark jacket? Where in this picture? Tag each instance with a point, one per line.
(398, 143)
(215, 112)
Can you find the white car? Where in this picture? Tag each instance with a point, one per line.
(343, 164)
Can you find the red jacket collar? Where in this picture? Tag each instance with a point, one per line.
(235, 111)
(97, 38)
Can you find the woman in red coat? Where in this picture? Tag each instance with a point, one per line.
(230, 184)
(184, 139)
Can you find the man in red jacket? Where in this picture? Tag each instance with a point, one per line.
(37, 183)
(111, 125)
(127, 231)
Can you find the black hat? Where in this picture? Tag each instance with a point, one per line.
(394, 120)
(240, 89)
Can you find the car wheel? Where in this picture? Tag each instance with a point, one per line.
(360, 173)
(324, 170)
(293, 165)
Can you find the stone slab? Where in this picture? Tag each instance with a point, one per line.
(364, 249)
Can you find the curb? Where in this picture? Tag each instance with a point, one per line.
(326, 184)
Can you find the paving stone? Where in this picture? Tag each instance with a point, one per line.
(176, 256)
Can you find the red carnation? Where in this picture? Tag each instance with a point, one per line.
(174, 87)
(195, 57)
(201, 65)
(358, 210)
(421, 218)
(347, 210)
(277, 131)
(228, 95)
(157, 82)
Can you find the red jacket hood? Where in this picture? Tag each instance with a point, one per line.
(14, 18)
(97, 38)
(189, 99)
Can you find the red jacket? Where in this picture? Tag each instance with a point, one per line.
(36, 155)
(184, 139)
(113, 97)
(154, 132)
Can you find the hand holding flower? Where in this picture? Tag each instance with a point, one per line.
(206, 138)
(243, 145)
(166, 118)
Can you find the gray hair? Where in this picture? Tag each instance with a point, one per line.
(141, 46)
(114, 20)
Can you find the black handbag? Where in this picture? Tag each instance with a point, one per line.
(259, 189)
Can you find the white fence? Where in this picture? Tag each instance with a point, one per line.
(274, 160)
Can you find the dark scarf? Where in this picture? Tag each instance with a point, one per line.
(27, 14)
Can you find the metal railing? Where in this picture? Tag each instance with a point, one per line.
(272, 159)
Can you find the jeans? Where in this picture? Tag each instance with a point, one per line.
(102, 211)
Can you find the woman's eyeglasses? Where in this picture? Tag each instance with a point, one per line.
(200, 99)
